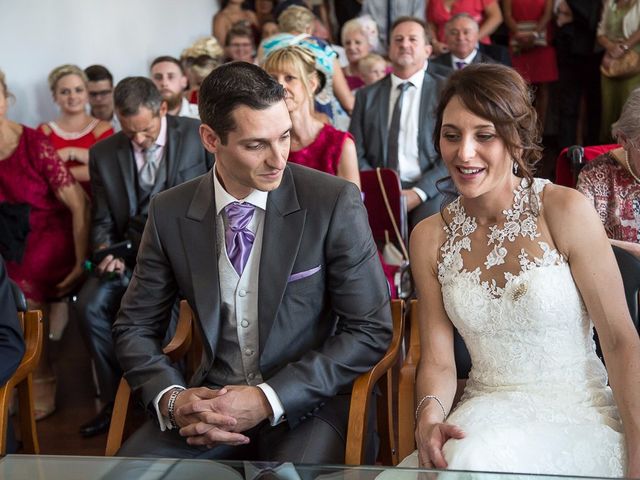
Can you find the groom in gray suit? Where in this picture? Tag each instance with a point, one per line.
(393, 119)
(280, 268)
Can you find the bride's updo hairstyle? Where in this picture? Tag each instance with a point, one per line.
(497, 93)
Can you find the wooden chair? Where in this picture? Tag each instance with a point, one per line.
(176, 349)
(407, 381)
(22, 380)
(183, 343)
(381, 374)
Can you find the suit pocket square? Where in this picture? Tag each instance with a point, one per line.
(306, 273)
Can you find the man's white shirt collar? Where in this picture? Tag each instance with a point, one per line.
(416, 79)
(468, 60)
(223, 198)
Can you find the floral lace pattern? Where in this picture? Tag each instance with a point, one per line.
(537, 399)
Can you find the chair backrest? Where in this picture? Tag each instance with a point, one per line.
(382, 375)
(567, 170)
(21, 380)
(374, 201)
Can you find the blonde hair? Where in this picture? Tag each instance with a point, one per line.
(369, 60)
(296, 19)
(203, 46)
(62, 71)
(300, 59)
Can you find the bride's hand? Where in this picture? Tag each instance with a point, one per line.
(430, 439)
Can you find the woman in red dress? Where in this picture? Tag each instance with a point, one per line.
(532, 53)
(313, 143)
(486, 12)
(32, 173)
(74, 131)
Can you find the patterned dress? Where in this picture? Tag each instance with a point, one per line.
(31, 175)
(615, 195)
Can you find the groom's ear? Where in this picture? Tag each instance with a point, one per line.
(210, 139)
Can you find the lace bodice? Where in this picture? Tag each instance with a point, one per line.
(512, 297)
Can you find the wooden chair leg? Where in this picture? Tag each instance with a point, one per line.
(120, 409)
(27, 416)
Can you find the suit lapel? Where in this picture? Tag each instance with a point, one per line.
(384, 93)
(126, 162)
(174, 138)
(198, 233)
(428, 98)
(283, 227)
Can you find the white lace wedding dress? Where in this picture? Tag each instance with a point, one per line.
(537, 399)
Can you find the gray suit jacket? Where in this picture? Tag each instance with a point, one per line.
(445, 59)
(317, 333)
(113, 176)
(369, 127)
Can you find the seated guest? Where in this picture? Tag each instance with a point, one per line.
(292, 305)
(335, 99)
(203, 55)
(239, 45)
(486, 13)
(49, 262)
(313, 143)
(612, 180)
(356, 45)
(372, 67)
(392, 122)
(461, 38)
(74, 131)
(168, 76)
(232, 13)
(11, 342)
(269, 29)
(153, 152)
(100, 88)
(197, 71)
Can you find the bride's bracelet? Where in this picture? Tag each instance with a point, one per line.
(429, 397)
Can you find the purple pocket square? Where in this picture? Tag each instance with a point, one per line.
(300, 275)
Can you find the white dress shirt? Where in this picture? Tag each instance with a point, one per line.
(468, 60)
(408, 152)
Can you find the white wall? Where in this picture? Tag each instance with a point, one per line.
(123, 35)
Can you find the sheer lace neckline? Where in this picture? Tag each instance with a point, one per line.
(519, 229)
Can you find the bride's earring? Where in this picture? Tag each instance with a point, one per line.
(515, 168)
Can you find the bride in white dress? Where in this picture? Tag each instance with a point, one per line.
(521, 267)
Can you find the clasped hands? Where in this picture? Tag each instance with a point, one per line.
(208, 417)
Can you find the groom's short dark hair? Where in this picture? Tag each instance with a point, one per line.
(230, 86)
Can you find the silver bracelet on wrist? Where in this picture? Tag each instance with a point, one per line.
(429, 397)
(171, 406)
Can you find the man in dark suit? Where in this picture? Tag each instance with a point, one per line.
(461, 37)
(280, 268)
(393, 119)
(153, 152)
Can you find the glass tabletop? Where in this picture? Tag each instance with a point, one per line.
(52, 467)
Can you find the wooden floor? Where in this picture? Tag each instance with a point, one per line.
(76, 400)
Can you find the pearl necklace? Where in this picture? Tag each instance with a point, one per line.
(626, 160)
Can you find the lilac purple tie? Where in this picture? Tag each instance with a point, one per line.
(238, 237)
(461, 65)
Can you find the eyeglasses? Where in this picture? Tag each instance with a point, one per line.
(100, 93)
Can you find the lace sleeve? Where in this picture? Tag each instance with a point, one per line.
(46, 161)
